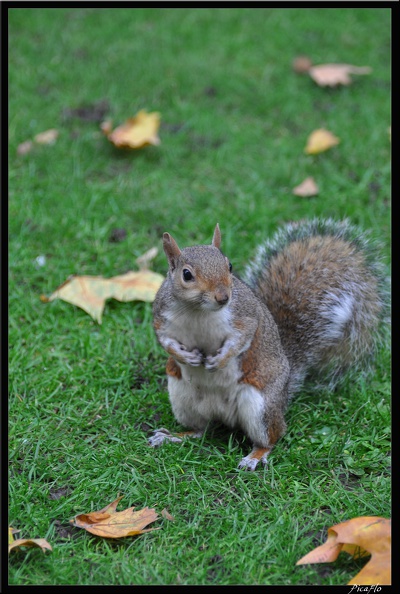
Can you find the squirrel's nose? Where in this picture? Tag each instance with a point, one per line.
(221, 297)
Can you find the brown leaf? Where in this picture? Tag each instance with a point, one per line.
(319, 141)
(109, 523)
(136, 132)
(26, 542)
(165, 514)
(331, 75)
(47, 137)
(91, 292)
(359, 537)
(307, 188)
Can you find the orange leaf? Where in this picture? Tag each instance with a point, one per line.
(359, 537)
(307, 188)
(331, 75)
(136, 132)
(320, 140)
(91, 292)
(26, 542)
(109, 523)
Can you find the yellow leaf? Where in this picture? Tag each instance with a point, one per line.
(91, 292)
(331, 75)
(307, 188)
(359, 537)
(10, 535)
(109, 523)
(136, 132)
(320, 140)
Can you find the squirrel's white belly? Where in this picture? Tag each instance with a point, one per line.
(201, 396)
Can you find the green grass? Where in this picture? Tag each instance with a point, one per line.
(84, 397)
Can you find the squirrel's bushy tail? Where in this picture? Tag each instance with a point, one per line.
(328, 291)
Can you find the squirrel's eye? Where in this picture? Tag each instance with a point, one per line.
(230, 267)
(187, 275)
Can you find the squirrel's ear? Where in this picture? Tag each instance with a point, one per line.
(216, 242)
(171, 250)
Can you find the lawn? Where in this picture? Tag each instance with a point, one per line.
(84, 397)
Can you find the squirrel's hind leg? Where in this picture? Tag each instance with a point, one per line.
(256, 455)
(161, 435)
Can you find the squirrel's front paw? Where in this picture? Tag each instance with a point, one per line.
(213, 362)
(161, 435)
(193, 358)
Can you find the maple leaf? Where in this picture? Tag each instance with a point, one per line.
(307, 188)
(359, 537)
(91, 292)
(109, 523)
(136, 132)
(319, 141)
(331, 75)
(26, 542)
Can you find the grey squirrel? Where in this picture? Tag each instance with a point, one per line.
(312, 304)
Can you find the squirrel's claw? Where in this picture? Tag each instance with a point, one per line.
(161, 435)
(250, 462)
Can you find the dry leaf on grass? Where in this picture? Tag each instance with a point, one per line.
(331, 75)
(109, 523)
(301, 64)
(359, 537)
(165, 514)
(46, 137)
(91, 292)
(25, 147)
(307, 188)
(136, 132)
(319, 141)
(40, 543)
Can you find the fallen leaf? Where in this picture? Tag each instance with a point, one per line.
(26, 542)
(144, 260)
(109, 523)
(307, 188)
(47, 137)
(319, 141)
(91, 292)
(165, 514)
(25, 147)
(106, 127)
(359, 537)
(136, 132)
(331, 75)
(301, 64)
